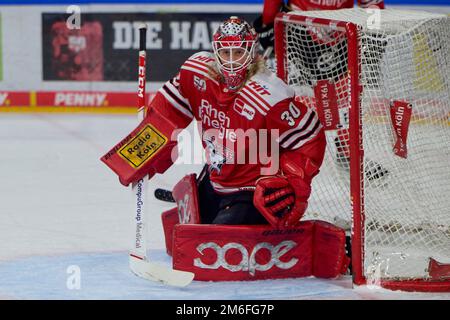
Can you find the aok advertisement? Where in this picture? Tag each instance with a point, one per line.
(105, 47)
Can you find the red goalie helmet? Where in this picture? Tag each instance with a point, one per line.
(234, 44)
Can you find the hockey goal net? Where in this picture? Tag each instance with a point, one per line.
(379, 81)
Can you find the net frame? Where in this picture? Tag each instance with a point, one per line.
(352, 33)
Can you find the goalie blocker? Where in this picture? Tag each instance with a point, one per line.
(223, 252)
(148, 149)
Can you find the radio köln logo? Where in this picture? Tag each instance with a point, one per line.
(243, 109)
(248, 261)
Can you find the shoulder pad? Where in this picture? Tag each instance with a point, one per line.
(269, 87)
(199, 63)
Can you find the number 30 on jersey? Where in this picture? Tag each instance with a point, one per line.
(291, 114)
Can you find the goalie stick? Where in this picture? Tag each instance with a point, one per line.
(167, 196)
(164, 195)
(138, 260)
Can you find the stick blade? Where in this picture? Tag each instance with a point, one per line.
(155, 272)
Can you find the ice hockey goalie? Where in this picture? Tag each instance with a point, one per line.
(241, 218)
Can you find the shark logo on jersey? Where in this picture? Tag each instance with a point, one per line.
(216, 160)
(200, 84)
(244, 110)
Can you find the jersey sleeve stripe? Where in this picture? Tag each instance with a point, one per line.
(195, 66)
(300, 133)
(250, 102)
(198, 63)
(304, 123)
(257, 97)
(175, 82)
(175, 104)
(174, 90)
(176, 97)
(307, 137)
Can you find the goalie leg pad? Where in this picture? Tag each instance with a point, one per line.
(169, 220)
(236, 253)
(187, 211)
(330, 259)
(185, 194)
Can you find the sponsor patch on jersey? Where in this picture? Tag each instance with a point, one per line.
(143, 146)
(244, 110)
(200, 84)
(263, 90)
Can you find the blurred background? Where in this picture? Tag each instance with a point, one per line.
(81, 56)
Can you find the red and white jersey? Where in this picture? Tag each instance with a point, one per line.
(264, 108)
(272, 7)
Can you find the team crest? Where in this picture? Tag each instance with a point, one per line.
(243, 109)
(214, 157)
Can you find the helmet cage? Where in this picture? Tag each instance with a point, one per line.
(226, 52)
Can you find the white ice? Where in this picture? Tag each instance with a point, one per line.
(61, 207)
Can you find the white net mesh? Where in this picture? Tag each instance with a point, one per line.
(404, 56)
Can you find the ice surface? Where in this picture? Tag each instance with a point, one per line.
(61, 207)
